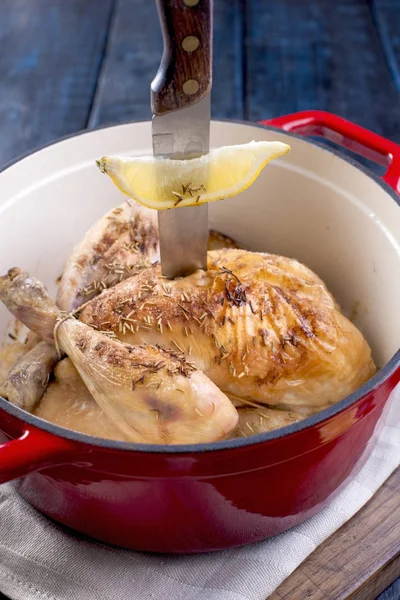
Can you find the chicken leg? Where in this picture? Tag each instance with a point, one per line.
(151, 394)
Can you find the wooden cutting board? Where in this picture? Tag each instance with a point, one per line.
(359, 561)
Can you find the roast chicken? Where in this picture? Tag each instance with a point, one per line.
(254, 343)
(116, 247)
(261, 327)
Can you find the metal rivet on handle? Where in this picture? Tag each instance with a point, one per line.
(191, 2)
(190, 87)
(190, 43)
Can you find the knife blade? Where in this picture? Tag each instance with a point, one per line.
(181, 123)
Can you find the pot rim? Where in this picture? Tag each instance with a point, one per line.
(376, 381)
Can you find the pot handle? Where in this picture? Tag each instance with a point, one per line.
(347, 134)
(34, 449)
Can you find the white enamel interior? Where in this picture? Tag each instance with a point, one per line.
(310, 204)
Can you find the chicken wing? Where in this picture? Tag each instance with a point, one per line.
(28, 379)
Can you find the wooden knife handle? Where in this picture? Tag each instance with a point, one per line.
(185, 72)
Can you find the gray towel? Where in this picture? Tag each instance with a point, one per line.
(39, 561)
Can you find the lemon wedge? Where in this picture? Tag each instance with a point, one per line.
(163, 183)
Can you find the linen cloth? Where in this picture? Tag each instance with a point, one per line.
(40, 561)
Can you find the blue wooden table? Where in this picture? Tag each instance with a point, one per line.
(67, 65)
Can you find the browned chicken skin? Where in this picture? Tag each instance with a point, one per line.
(123, 240)
(262, 327)
(259, 420)
(151, 394)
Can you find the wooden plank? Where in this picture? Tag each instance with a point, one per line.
(318, 55)
(359, 561)
(386, 16)
(51, 52)
(133, 55)
(228, 93)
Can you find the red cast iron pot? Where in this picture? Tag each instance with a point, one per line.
(331, 214)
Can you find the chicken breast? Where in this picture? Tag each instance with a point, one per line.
(261, 327)
(121, 242)
(125, 238)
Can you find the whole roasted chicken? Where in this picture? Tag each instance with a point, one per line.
(251, 344)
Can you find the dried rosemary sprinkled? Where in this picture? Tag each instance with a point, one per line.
(185, 311)
(110, 334)
(177, 346)
(253, 404)
(216, 342)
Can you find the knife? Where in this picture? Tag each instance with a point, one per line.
(180, 100)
